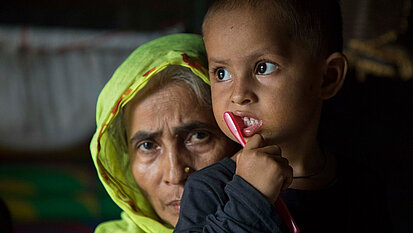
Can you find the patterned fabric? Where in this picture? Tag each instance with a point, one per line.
(108, 146)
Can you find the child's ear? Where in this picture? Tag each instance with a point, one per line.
(335, 73)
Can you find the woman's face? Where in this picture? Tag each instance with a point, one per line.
(168, 131)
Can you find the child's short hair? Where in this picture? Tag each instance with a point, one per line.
(316, 23)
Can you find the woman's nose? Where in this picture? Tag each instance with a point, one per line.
(243, 91)
(175, 166)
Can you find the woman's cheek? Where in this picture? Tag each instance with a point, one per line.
(144, 168)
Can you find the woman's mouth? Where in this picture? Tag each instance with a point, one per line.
(175, 205)
(251, 126)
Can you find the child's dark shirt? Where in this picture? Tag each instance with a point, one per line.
(216, 200)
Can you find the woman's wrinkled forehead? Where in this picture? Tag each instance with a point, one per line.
(145, 93)
(166, 110)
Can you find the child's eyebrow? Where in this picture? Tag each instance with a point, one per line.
(216, 60)
(281, 53)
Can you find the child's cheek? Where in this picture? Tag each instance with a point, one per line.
(219, 108)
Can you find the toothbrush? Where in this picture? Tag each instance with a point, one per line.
(233, 124)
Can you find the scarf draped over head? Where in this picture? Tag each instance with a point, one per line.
(109, 147)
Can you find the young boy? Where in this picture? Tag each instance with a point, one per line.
(272, 64)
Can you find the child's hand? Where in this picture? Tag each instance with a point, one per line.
(264, 168)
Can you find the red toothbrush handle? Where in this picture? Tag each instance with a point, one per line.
(286, 215)
(234, 127)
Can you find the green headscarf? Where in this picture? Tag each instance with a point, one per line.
(108, 149)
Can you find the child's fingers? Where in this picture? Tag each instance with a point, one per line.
(273, 150)
(286, 171)
(288, 178)
(255, 141)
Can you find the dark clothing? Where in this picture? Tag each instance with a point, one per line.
(216, 200)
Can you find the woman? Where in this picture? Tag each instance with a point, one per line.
(154, 128)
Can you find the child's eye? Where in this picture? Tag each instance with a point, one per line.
(147, 146)
(222, 74)
(266, 68)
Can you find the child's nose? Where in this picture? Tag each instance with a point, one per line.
(243, 92)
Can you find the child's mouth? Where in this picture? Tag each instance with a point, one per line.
(251, 126)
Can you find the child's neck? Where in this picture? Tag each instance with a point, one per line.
(313, 166)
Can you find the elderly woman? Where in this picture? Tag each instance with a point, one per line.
(155, 126)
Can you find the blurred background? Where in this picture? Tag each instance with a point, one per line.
(56, 56)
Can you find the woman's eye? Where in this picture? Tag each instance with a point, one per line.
(265, 68)
(197, 137)
(146, 146)
(223, 74)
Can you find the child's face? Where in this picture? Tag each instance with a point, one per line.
(258, 72)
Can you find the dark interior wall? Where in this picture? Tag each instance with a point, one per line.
(125, 14)
(372, 122)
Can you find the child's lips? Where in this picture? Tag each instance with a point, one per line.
(251, 128)
(248, 124)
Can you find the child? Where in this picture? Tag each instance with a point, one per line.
(273, 63)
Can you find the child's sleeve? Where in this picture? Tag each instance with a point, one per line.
(211, 203)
